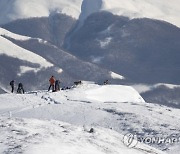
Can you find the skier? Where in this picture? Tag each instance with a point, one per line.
(20, 89)
(12, 86)
(57, 85)
(51, 81)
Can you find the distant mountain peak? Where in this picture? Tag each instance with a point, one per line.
(161, 9)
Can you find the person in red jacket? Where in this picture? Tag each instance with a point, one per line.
(52, 82)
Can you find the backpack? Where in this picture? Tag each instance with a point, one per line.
(20, 85)
(11, 83)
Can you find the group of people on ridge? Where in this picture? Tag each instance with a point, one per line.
(20, 88)
(54, 84)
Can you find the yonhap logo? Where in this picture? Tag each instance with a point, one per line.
(131, 140)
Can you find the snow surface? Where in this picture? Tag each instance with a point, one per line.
(157, 9)
(38, 120)
(24, 69)
(104, 43)
(8, 34)
(30, 136)
(4, 32)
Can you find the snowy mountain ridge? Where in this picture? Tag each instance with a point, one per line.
(10, 49)
(156, 9)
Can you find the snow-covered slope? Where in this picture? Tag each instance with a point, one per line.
(87, 106)
(6, 33)
(30, 136)
(156, 9)
(10, 49)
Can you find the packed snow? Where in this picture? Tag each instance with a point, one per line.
(157, 9)
(59, 122)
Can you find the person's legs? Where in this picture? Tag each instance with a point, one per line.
(18, 90)
(55, 87)
(52, 87)
(49, 88)
(12, 89)
(23, 90)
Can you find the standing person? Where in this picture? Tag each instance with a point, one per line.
(57, 85)
(12, 85)
(52, 82)
(20, 89)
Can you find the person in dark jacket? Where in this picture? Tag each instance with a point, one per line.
(20, 89)
(57, 85)
(12, 85)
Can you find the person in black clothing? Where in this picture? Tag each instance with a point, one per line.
(57, 85)
(20, 89)
(12, 86)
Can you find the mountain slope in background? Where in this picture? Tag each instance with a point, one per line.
(116, 43)
(53, 28)
(154, 9)
(32, 61)
(20, 9)
(143, 50)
